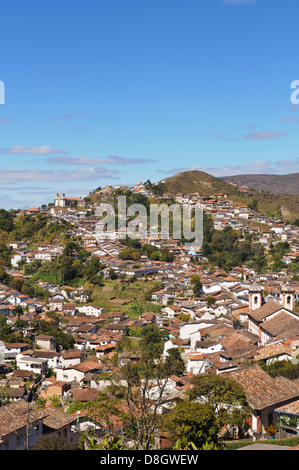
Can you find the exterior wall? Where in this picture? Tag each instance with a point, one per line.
(46, 344)
(264, 336)
(50, 391)
(18, 440)
(90, 310)
(194, 338)
(64, 363)
(255, 300)
(211, 289)
(196, 366)
(253, 327)
(67, 432)
(37, 366)
(69, 375)
(288, 301)
(212, 349)
(168, 345)
(60, 200)
(188, 328)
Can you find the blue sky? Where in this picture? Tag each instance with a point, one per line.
(118, 91)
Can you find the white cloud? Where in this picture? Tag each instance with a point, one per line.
(19, 175)
(219, 135)
(256, 167)
(39, 150)
(289, 119)
(111, 160)
(265, 135)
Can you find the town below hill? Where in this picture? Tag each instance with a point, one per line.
(108, 342)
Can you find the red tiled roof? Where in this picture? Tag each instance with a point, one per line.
(262, 390)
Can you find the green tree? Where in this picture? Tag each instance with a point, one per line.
(192, 422)
(146, 386)
(6, 220)
(51, 442)
(174, 362)
(222, 393)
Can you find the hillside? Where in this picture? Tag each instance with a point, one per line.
(198, 181)
(274, 184)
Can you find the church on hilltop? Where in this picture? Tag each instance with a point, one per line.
(62, 201)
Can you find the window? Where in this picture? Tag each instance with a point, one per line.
(255, 299)
(288, 299)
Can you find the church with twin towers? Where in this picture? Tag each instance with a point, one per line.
(63, 201)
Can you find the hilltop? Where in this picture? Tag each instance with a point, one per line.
(274, 184)
(189, 182)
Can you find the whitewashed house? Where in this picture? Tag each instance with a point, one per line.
(92, 310)
(33, 364)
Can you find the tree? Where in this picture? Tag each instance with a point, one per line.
(146, 386)
(193, 422)
(223, 394)
(106, 444)
(4, 395)
(254, 204)
(6, 220)
(174, 362)
(152, 341)
(112, 274)
(210, 301)
(197, 285)
(51, 442)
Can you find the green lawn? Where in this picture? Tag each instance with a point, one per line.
(123, 296)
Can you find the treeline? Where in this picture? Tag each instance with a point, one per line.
(227, 248)
(73, 267)
(15, 333)
(24, 227)
(135, 250)
(23, 285)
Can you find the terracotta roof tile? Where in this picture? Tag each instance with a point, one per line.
(262, 390)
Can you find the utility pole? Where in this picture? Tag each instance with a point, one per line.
(28, 417)
(27, 426)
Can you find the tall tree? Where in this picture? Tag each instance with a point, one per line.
(223, 394)
(146, 386)
(193, 422)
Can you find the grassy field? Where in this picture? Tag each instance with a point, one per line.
(122, 296)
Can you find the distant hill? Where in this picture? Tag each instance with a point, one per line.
(274, 184)
(197, 181)
(189, 182)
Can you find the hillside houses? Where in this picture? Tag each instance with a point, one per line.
(237, 318)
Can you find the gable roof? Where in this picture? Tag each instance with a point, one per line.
(14, 416)
(282, 323)
(265, 310)
(272, 350)
(262, 390)
(56, 418)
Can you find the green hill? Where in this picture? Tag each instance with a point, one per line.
(197, 181)
(188, 182)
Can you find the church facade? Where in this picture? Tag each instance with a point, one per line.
(63, 201)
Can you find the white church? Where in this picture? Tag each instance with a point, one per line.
(62, 201)
(272, 319)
